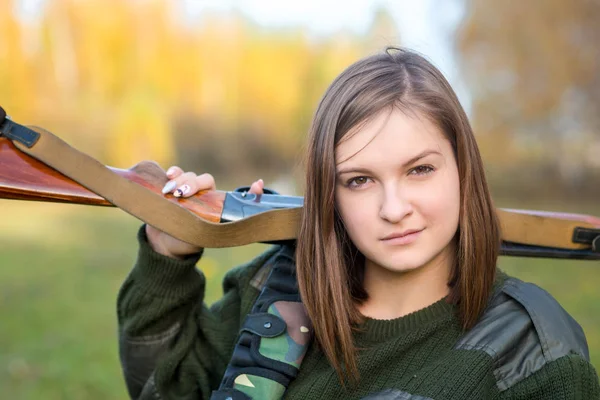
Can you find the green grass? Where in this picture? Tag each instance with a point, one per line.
(61, 267)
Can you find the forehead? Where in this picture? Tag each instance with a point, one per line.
(391, 135)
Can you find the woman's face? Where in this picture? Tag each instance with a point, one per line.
(397, 191)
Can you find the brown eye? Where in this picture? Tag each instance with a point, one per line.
(422, 170)
(357, 181)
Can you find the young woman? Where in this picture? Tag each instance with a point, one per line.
(395, 262)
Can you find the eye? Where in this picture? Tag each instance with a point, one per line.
(422, 170)
(357, 182)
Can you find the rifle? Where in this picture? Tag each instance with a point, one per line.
(35, 165)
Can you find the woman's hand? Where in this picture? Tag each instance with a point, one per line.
(184, 184)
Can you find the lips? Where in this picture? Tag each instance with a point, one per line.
(401, 234)
(403, 238)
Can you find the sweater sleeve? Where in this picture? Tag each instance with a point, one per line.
(569, 377)
(170, 343)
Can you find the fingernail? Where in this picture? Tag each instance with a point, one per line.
(181, 191)
(169, 186)
(170, 172)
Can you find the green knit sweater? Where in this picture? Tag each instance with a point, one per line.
(175, 347)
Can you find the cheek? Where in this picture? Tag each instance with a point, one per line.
(442, 202)
(355, 212)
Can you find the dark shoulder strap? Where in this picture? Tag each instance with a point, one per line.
(273, 338)
(523, 329)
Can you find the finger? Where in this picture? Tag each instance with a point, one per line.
(186, 185)
(205, 182)
(174, 172)
(192, 184)
(182, 191)
(257, 187)
(181, 179)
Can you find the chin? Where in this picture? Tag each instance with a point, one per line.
(401, 264)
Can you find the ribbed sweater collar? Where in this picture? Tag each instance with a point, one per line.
(439, 312)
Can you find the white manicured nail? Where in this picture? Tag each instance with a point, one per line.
(182, 190)
(169, 186)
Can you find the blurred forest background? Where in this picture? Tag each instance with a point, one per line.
(126, 81)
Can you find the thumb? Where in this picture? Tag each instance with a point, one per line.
(257, 187)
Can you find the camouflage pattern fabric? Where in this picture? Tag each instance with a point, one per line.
(273, 339)
(258, 387)
(292, 345)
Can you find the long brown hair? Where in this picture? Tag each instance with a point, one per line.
(329, 267)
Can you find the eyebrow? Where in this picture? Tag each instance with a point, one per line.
(413, 160)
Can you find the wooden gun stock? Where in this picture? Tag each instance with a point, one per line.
(525, 233)
(25, 178)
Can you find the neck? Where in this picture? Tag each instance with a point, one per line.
(394, 294)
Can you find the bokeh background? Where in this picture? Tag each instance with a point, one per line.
(229, 87)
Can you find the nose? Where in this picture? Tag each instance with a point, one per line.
(395, 205)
